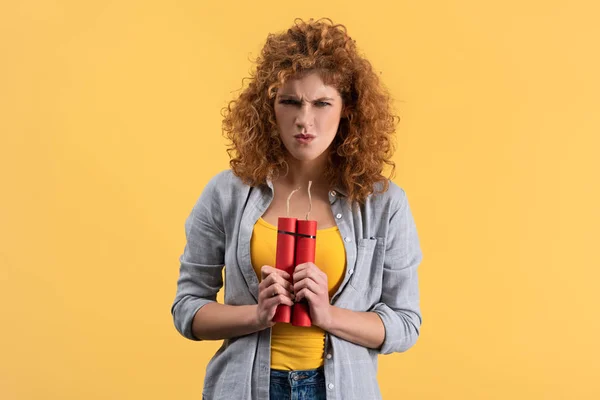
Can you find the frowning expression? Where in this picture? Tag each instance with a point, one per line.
(308, 115)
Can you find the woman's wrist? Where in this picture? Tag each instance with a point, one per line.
(362, 328)
(328, 322)
(255, 320)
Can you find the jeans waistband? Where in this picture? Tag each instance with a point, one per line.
(297, 377)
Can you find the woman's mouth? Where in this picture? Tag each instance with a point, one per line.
(304, 138)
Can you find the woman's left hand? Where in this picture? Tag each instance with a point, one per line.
(310, 283)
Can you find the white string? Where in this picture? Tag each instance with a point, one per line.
(288, 202)
(309, 201)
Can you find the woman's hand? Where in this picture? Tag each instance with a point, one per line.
(274, 289)
(310, 283)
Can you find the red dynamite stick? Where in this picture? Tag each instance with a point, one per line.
(285, 255)
(306, 243)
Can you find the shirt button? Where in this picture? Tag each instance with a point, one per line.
(347, 239)
(338, 216)
(333, 193)
(330, 386)
(329, 356)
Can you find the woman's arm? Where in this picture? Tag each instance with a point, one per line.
(399, 307)
(202, 261)
(196, 313)
(216, 321)
(363, 328)
(393, 324)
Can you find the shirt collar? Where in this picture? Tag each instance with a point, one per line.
(336, 188)
(340, 190)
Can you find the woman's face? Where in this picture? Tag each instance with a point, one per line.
(308, 114)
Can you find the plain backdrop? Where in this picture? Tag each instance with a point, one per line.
(110, 128)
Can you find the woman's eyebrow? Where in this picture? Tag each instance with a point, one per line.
(291, 96)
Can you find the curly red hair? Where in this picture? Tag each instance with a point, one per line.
(363, 144)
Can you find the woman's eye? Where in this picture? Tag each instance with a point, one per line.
(319, 104)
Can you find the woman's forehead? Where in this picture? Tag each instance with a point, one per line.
(309, 86)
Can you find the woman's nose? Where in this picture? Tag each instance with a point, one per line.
(305, 117)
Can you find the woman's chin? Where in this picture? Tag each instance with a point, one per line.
(304, 156)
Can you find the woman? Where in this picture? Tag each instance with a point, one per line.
(315, 112)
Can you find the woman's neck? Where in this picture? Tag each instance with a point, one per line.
(300, 173)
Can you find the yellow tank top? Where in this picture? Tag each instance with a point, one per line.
(298, 348)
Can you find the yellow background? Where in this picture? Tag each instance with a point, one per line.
(110, 127)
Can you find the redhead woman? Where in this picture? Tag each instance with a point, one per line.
(314, 117)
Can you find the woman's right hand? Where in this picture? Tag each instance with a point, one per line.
(274, 289)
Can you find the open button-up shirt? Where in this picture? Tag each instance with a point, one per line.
(382, 255)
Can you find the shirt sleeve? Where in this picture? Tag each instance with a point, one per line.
(399, 308)
(202, 261)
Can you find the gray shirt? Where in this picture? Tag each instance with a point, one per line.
(382, 255)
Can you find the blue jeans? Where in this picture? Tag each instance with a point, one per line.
(297, 385)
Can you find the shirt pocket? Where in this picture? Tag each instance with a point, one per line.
(368, 271)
